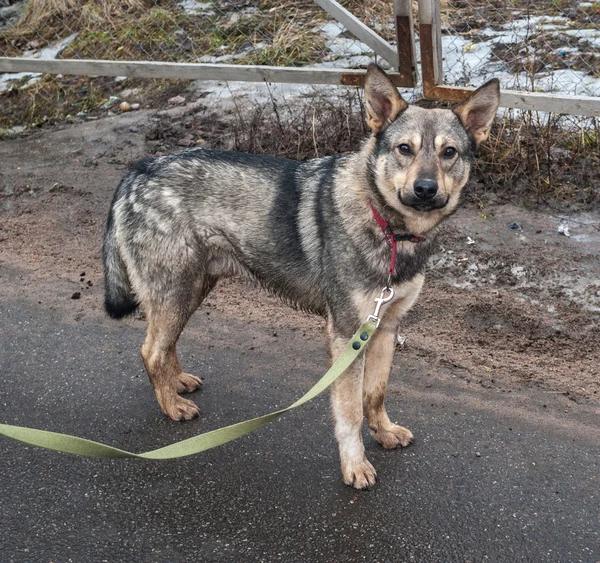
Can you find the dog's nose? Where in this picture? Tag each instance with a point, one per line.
(425, 189)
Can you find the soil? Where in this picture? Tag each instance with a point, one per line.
(509, 302)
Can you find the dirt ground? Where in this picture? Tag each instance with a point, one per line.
(502, 307)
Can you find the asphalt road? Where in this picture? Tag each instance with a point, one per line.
(276, 495)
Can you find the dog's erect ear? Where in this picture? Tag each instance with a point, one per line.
(383, 101)
(477, 112)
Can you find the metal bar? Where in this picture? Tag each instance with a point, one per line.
(437, 41)
(379, 45)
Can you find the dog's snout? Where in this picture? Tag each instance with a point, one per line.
(425, 189)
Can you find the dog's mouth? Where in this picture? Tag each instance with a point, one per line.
(420, 205)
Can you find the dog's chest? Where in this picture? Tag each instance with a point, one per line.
(403, 297)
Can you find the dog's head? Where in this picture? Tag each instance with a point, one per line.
(421, 158)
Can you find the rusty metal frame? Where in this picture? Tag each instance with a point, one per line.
(406, 73)
(431, 55)
(431, 89)
(405, 43)
(358, 79)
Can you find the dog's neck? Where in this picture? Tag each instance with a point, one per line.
(388, 231)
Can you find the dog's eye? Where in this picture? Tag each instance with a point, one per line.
(404, 149)
(449, 152)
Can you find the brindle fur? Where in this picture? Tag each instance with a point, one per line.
(305, 231)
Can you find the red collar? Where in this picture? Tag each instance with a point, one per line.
(392, 238)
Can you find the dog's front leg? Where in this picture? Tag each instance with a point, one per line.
(379, 357)
(346, 402)
(378, 363)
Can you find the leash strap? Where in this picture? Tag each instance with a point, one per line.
(79, 446)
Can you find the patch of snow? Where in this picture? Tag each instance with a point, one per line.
(193, 7)
(563, 229)
(221, 58)
(464, 59)
(592, 36)
(561, 81)
(332, 29)
(46, 54)
(50, 52)
(469, 63)
(344, 47)
(518, 271)
(228, 95)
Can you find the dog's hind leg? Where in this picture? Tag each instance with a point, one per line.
(346, 403)
(166, 320)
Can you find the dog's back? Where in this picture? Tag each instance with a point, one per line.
(217, 213)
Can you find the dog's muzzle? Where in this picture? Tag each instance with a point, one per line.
(425, 196)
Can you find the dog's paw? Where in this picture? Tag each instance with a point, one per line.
(176, 407)
(393, 436)
(187, 383)
(182, 409)
(360, 475)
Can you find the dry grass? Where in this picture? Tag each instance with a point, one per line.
(55, 100)
(377, 14)
(161, 30)
(50, 100)
(317, 128)
(39, 12)
(291, 45)
(540, 158)
(527, 158)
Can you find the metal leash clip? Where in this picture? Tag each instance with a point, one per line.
(383, 298)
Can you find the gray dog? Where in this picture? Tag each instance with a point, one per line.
(327, 235)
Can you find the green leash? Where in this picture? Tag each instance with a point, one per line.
(79, 446)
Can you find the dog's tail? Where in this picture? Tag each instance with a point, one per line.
(119, 299)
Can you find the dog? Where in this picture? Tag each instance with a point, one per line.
(319, 233)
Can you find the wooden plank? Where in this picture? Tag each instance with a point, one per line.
(380, 46)
(572, 105)
(535, 101)
(191, 71)
(405, 41)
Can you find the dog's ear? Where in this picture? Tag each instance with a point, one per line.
(477, 112)
(383, 101)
